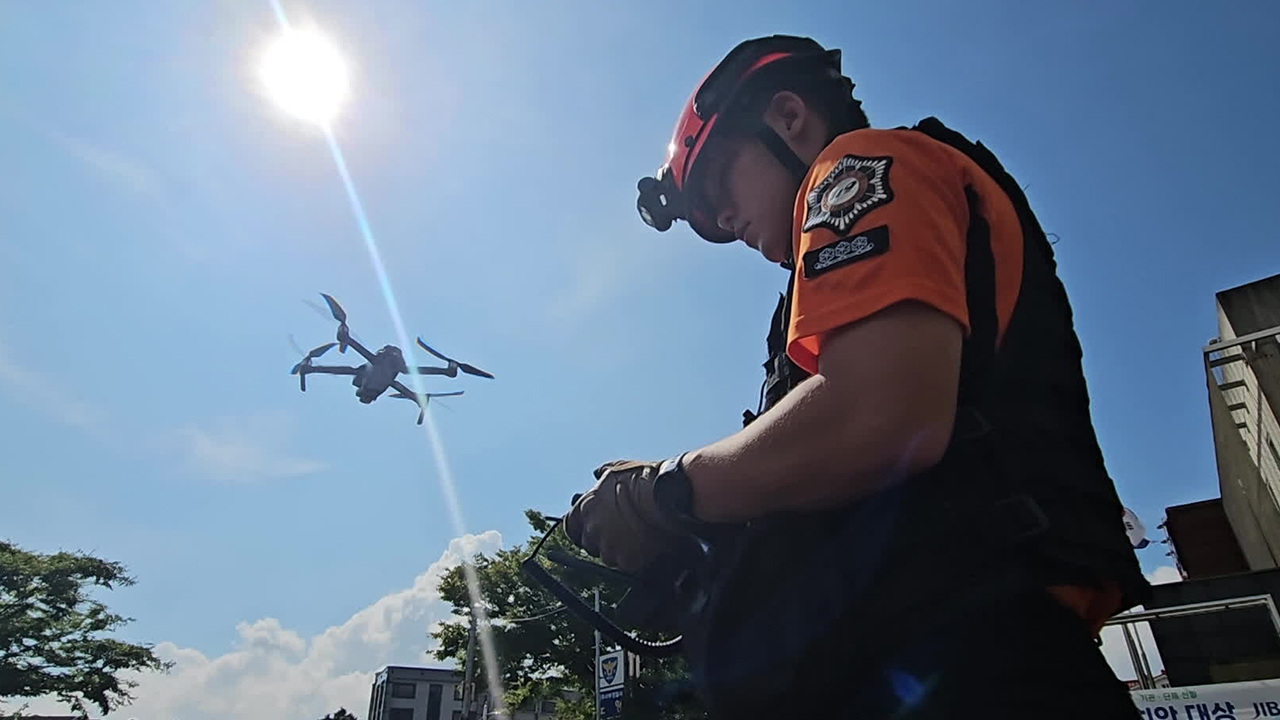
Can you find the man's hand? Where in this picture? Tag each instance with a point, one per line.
(619, 522)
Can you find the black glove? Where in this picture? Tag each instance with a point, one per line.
(618, 520)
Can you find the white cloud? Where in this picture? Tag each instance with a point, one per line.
(274, 674)
(267, 633)
(49, 394)
(1164, 574)
(245, 450)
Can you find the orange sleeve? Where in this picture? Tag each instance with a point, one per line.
(882, 219)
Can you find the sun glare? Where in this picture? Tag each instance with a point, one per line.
(305, 75)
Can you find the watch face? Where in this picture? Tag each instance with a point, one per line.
(671, 489)
(669, 464)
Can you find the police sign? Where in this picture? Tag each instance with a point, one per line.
(611, 704)
(611, 676)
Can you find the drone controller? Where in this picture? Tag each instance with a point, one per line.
(661, 600)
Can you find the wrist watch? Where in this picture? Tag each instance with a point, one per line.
(672, 490)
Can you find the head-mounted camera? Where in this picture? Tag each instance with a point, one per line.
(661, 203)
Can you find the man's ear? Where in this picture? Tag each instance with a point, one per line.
(787, 115)
(798, 124)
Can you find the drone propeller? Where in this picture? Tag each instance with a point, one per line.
(341, 316)
(422, 406)
(455, 393)
(464, 367)
(324, 312)
(306, 361)
(338, 313)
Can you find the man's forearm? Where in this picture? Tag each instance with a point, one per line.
(814, 449)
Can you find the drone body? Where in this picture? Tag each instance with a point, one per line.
(374, 377)
(380, 370)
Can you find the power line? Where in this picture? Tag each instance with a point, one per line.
(544, 612)
(538, 614)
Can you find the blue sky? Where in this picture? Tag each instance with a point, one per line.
(162, 222)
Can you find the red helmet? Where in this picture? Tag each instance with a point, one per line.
(666, 197)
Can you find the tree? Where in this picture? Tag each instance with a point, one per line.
(51, 631)
(543, 650)
(342, 714)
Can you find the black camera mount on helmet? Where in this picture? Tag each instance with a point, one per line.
(720, 99)
(660, 202)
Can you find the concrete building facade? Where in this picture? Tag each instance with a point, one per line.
(1201, 540)
(1238, 531)
(402, 692)
(1229, 549)
(416, 693)
(1242, 372)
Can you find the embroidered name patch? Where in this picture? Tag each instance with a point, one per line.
(846, 250)
(854, 187)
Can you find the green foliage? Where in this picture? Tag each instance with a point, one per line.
(52, 632)
(546, 652)
(581, 708)
(342, 714)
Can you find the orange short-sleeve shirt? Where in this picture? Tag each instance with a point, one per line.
(882, 218)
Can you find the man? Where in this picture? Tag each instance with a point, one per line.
(919, 522)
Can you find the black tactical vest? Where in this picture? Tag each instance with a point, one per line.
(1022, 488)
(1032, 393)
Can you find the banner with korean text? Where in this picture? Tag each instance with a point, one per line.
(1220, 701)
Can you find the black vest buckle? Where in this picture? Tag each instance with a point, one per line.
(970, 424)
(1016, 519)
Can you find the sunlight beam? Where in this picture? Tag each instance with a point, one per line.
(447, 484)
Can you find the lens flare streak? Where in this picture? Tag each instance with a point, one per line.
(447, 485)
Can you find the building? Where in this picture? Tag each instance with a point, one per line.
(1242, 372)
(1229, 547)
(1201, 540)
(1228, 646)
(416, 693)
(401, 692)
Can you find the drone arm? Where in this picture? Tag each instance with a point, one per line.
(451, 371)
(328, 369)
(405, 391)
(408, 394)
(348, 340)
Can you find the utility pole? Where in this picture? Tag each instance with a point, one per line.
(1133, 656)
(1142, 652)
(595, 674)
(469, 669)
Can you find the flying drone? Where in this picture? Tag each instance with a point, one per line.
(380, 371)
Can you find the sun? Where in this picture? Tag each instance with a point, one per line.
(305, 75)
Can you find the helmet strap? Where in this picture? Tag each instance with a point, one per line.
(783, 152)
(789, 159)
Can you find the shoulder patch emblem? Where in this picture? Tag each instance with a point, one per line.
(855, 186)
(846, 250)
